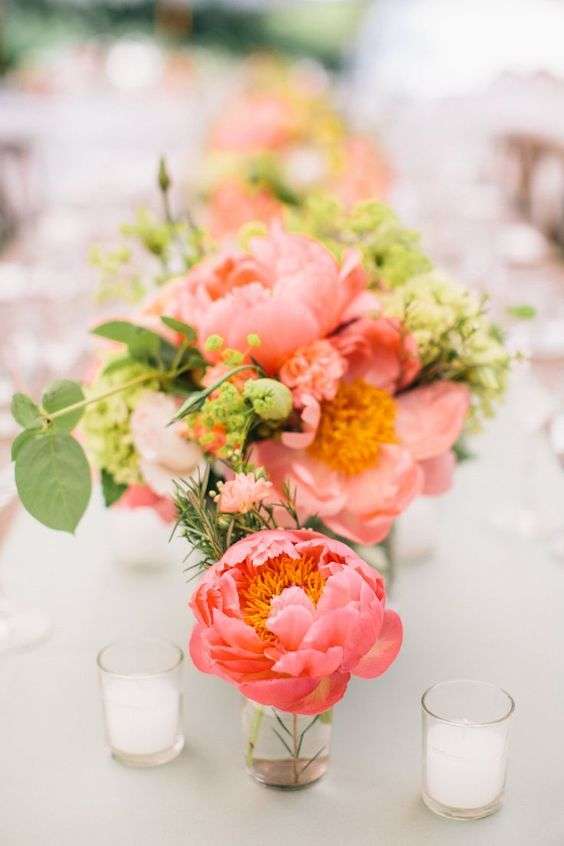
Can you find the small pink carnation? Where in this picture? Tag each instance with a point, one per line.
(243, 493)
(314, 371)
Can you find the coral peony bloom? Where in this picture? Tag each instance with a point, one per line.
(141, 496)
(164, 454)
(243, 493)
(233, 203)
(287, 616)
(288, 290)
(365, 174)
(254, 123)
(362, 457)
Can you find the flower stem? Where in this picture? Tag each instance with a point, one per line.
(83, 403)
(253, 735)
(296, 751)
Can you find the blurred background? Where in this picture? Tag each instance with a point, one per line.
(465, 99)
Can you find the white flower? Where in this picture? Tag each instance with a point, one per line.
(164, 454)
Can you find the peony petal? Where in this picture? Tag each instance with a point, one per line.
(198, 649)
(384, 651)
(237, 633)
(438, 473)
(280, 693)
(310, 662)
(430, 418)
(290, 623)
(326, 694)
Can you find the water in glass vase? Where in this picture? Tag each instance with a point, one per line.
(288, 751)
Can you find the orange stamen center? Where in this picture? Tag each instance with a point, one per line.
(353, 426)
(262, 584)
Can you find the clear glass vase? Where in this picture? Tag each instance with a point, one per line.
(139, 539)
(288, 751)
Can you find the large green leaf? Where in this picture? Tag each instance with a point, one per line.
(22, 439)
(59, 395)
(25, 412)
(53, 480)
(111, 489)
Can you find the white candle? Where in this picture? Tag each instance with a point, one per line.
(142, 714)
(465, 765)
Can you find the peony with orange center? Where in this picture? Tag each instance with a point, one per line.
(353, 426)
(288, 615)
(260, 585)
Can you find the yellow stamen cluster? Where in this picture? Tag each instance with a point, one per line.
(353, 426)
(270, 579)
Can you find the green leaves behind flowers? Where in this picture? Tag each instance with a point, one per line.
(53, 479)
(111, 489)
(151, 349)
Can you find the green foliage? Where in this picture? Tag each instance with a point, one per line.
(150, 349)
(522, 312)
(462, 451)
(111, 490)
(22, 439)
(454, 337)
(391, 254)
(25, 411)
(106, 425)
(62, 394)
(183, 328)
(53, 480)
(211, 532)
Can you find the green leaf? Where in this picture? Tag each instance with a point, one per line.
(111, 489)
(184, 328)
(196, 400)
(59, 395)
(53, 480)
(143, 344)
(117, 364)
(462, 452)
(522, 312)
(25, 412)
(326, 717)
(22, 439)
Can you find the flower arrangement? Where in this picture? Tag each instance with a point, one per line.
(284, 396)
(278, 139)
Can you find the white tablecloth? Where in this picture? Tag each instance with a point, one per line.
(488, 606)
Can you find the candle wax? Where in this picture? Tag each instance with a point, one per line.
(465, 765)
(142, 715)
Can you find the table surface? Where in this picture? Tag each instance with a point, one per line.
(487, 606)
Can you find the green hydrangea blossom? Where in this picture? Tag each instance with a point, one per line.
(391, 253)
(454, 337)
(106, 424)
(226, 413)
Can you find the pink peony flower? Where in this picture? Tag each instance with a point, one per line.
(164, 454)
(287, 616)
(253, 123)
(363, 456)
(289, 290)
(233, 203)
(366, 175)
(243, 493)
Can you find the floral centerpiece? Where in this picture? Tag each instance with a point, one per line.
(284, 399)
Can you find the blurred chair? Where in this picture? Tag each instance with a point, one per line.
(16, 203)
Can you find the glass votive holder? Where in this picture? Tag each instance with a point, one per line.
(142, 699)
(465, 743)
